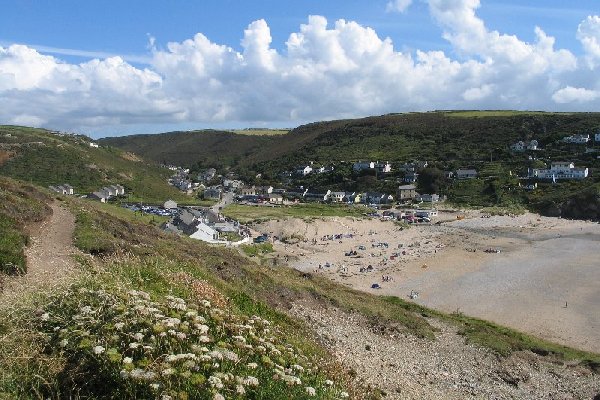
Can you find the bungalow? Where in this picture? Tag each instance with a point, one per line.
(248, 191)
(213, 193)
(577, 139)
(377, 198)
(524, 145)
(428, 198)
(92, 144)
(410, 177)
(303, 170)
(264, 190)
(170, 205)
(317, 196)
(63, 189)
(466, 174)
(406, 192)
(99, 195)
(275, 198)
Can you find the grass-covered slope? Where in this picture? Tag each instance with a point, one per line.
(210, 148)
(20, 205)
(40, 157)
(439, 136)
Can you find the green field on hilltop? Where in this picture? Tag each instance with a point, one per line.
(260, 132)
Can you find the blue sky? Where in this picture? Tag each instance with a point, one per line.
(476, 42)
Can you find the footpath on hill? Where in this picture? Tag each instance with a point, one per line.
(50, 260)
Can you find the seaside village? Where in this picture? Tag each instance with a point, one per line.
(207, 224)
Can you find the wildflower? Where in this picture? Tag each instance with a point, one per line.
(64, 342)
(45, 317)
(167, 372)
(166, 397)
(240, 389)
(310, 391)
(181, 335)
(119, 325)
(344, 395)
(127, 360)
(215, 382)
(298, 367)
(252, 365)
(98, 350)
(86, 309)
(239, 339)
(204, 339)
(134, 345)
(329, 382)
(205, 303)
(138, 336)
(201, 328)
(124, 374)
(291, 380)
(216, 355)
(251, 381)
(154, 386)
(218, 396)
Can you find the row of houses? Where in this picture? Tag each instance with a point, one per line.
(62, 189)
(560, 170)
(107, 192)
(307, 169)
(521, 145)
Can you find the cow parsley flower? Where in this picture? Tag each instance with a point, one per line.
(98, 350)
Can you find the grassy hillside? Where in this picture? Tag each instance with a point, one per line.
(209, 148)
(43, 158)
(20, 205)
(459, 137)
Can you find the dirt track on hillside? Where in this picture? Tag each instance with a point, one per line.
(50, 260)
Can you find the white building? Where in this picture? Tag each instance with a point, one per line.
(561, 170)
(524, 145)
(304, 170)
(577, 139)
(380, 167)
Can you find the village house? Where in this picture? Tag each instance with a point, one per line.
(170, 205)
(524, 145)
(560, 170)
(233, 184)
(92, 144)
(342, 197)
(428, 198)
(406, 192)
(248, 191)
(377, 198)
(377, 166)
(264, 190)
(100, 195)
(322, 170)
(466, 174)
(275, 198)
(317, 196)
(63, 189)
(296, 193)
(410, 177)
(577, 139)
(303, 170)
(213, 193)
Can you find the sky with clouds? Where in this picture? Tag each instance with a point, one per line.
(114, 67)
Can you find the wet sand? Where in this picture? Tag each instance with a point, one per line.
(545, 280)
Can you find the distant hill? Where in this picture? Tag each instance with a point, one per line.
(461, 136)
(44, 158)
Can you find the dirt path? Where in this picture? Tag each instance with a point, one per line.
(50, 260)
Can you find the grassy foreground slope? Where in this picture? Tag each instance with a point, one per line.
(40, 157)
(154, 314)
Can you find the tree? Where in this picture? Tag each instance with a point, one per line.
(431, 180)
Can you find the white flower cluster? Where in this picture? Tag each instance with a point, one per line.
(168, 344)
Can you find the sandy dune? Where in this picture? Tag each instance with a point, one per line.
(545, 280)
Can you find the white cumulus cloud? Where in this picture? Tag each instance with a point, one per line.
(397, 5)
(326, 70)
(575, 95)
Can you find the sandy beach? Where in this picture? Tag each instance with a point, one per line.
(539, 275)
